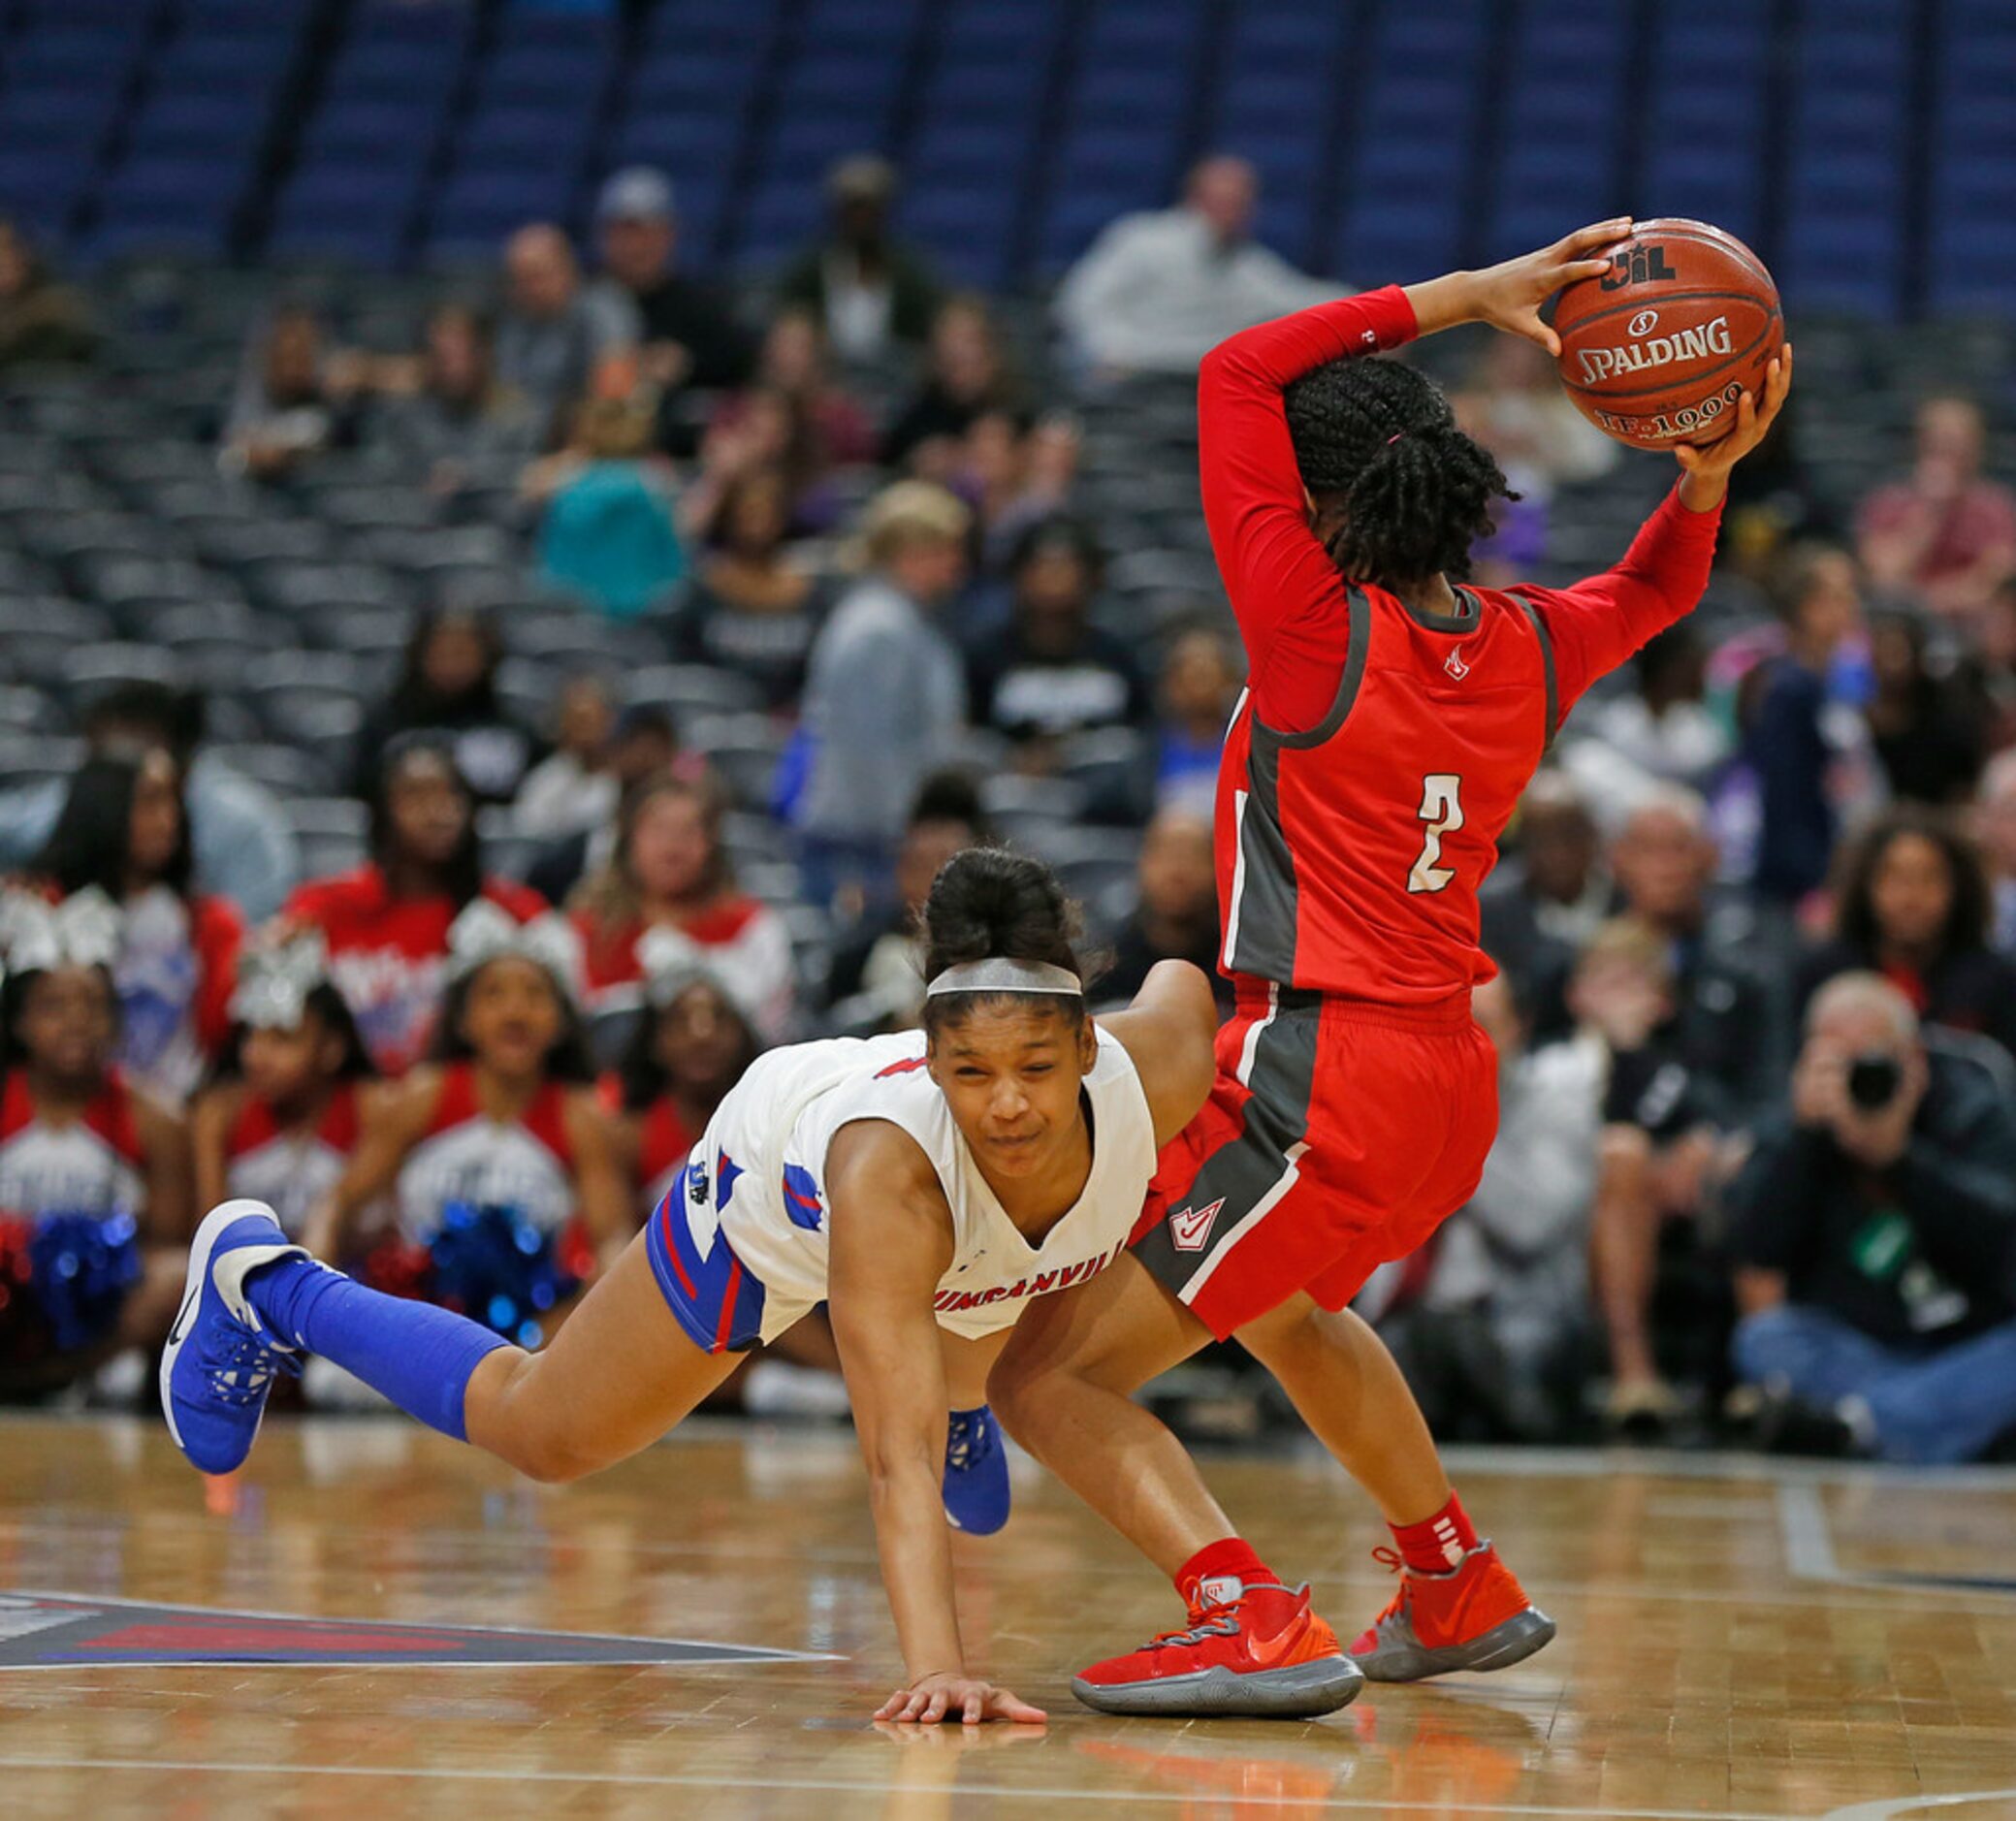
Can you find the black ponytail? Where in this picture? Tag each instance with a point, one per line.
(1378, 444)
(988, 902)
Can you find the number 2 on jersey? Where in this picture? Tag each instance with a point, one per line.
(1442, 810)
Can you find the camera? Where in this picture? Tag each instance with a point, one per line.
(1874, 1078)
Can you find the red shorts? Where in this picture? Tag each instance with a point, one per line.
(1339, 1135)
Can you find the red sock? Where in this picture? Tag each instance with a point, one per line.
(1232, 1558)
(1437, 1543)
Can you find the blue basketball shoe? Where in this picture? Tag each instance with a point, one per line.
(220, 1359)
(976, 1475)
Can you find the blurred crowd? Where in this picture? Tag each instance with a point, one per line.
(1756, 924)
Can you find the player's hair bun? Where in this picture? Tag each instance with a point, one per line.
(1378, 440)
(988, 902)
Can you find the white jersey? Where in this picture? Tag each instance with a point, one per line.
(758, 1178)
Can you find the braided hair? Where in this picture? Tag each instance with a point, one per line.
(1402, 493)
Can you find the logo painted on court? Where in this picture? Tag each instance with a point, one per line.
(61, 1631)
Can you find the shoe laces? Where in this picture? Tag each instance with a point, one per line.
(1395, 1563)
(968, 1439)
(240, 1371)
(1205, 1621)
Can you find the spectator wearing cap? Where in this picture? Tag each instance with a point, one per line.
(1157, 291)
(554, 337)
(244, 850)
(1051, 671)
(871, 293)
(1944, 533)
(885, 694)
(689, 336)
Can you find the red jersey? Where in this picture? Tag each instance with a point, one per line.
(1378, 752)
(386, 954)
(747, 948)
(291, 1171)
(96, 1166)
(466, 1156)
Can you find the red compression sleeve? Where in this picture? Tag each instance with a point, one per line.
(1284, 588)
(1596, 624)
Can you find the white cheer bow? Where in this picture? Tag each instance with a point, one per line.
(84, 931)
(273, 982)
(485, 931)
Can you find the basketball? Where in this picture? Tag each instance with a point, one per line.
(1659, 349)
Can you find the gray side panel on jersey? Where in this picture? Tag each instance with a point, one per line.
(1247, 1168)
(1547, 660)
(1269, 908)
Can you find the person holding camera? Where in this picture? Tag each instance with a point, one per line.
(1873, 1232)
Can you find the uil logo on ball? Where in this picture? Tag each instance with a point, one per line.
(1643, 324)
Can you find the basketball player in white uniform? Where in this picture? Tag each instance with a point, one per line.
(928, 1187)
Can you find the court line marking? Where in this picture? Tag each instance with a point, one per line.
(1808, 1545)
(843, 1786)
(757, 1655)
(1802, 1527)
(1897, 1805)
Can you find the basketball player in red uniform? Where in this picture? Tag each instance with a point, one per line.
(1391, 718)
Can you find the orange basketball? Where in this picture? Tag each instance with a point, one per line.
(1659, 349)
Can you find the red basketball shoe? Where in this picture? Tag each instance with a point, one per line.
(1475, 1617)
(1255, 1650)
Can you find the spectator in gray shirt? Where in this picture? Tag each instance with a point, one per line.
(1157, 291)
(553, 337)
(462, 426)
(885, 694)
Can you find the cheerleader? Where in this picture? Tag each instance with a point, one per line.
(94, 1177)
(928, 1186)
(387, 921)
(123, 832)
(506, 1174)
(693, 1044)
(282, 1120)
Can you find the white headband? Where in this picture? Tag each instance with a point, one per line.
(998, 974)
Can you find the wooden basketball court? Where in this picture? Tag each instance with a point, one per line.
(1736, 1641)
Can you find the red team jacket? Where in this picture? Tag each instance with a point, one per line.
(386, 954)
(1376, 756)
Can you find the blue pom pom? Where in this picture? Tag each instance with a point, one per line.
(80, 1267)
(496, 1267)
